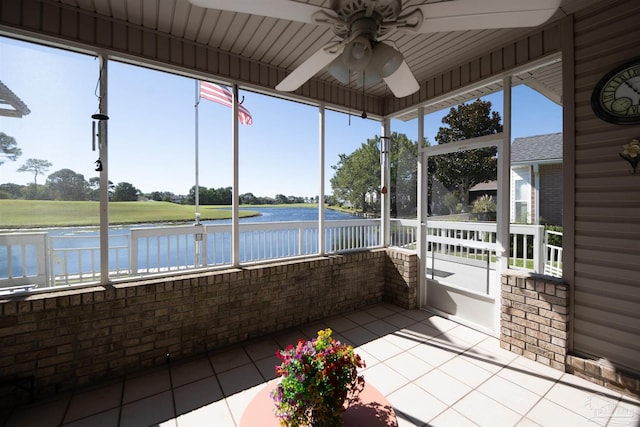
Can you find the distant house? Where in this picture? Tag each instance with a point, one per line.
(536, 179)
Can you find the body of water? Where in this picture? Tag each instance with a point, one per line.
(76, 250)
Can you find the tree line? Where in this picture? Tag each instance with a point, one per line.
(356, 182)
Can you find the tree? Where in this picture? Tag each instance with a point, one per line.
(66, 184)
(461, 171)
(8, 148)
(248, 199)
(94, 188)
(357, 175)
(36, 167)
(12, 191)
(125, 192)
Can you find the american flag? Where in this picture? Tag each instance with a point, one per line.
(222, 95)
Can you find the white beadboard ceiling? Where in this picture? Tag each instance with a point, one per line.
(286, 44)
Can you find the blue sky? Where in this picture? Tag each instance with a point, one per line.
(152, 127)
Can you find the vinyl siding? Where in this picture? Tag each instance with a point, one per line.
(606, 213)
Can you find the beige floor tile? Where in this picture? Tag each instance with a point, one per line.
(290, 337)
(485, 411)
(532, 381)
(452, 418)
(368, 359)
(47, 413)
(421, 332)
(148, 411)
(238, 402)
(261, 348)
(509, 394)
(381, 310)
(466, 372)
(229, 359)
(104, 419)
(216, 413)
(408, 365)
(491, 351)
(197, 394)
(549, 414)
(381, 328)
(267, 367)
(526, 422)
(359, 336)
(433, 353)
(442, 386)
(467, 334)
(626, 413)
(440, 323)
(385, 379)
(402, 340)
(146, 384)
(238, 379)
(415, 404)
(91, 402)
(584, 402)
(190, 370)
(360, 317)
(400, 320)
(381, 349)
(339, 324)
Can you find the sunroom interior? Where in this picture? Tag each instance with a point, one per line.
(112, 324)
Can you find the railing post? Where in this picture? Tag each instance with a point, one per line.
(133, 267)
(540, 249)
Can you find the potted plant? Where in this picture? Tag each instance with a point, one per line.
(318, 377)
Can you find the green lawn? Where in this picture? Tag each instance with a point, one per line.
(53, 213)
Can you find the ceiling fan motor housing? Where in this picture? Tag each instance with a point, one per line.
(351, 11)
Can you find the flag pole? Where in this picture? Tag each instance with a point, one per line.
(197, 187)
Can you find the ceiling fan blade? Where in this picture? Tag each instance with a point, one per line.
(402, 83)
(281, 9)
(310, 67)
(460, 15)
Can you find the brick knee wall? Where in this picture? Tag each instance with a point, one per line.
(66, 339)
(535, 317)
(535, 323)
(401, 278)
(604, 374)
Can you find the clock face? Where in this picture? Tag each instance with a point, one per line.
(616, 97)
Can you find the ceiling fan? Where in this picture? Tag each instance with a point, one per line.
(360, 54)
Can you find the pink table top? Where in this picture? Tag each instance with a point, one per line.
(372, 410)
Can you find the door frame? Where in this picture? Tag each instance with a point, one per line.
(499, 140)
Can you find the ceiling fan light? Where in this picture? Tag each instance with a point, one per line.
(357, 54)
(385, 59)
(339, 71)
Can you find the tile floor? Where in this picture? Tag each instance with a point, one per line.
(433, 371)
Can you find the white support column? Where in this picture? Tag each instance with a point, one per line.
(536, 193)
(504, 181)
(385, 202)
(104, 173)
(321, 142)
(235, 198)
(423, 213)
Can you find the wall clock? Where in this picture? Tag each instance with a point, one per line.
(616, 97)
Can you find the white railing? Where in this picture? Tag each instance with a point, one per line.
(35, 259)
(23, 261)
(553, 255)
(476, 241)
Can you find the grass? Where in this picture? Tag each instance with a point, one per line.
(54, 213)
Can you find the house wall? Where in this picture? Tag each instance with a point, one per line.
(550, 194)
(602, 197)
(66, 339)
